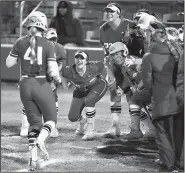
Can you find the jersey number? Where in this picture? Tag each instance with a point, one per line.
(39, 55)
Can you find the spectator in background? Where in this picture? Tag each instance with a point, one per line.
(69, 29)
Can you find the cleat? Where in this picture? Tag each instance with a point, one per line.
(159, 162)
(54, 133)
(90, 132)
(134, 134)
(33, 165)
(149, 133)
(114, 131)
(24, 131)
(42, 147)
(88, 136)
(81, 129)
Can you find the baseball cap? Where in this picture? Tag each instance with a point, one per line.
(117, 47)
(81, 55)
(114, 7)
(51, 33)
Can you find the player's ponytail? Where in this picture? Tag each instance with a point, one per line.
(33, 32)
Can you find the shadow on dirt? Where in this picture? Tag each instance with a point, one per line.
(119, 146)
(9, 130)
(141, 153)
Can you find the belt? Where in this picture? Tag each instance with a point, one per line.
(26, 76)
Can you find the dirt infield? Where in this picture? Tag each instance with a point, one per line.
(68, 153)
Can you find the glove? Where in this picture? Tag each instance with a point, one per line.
(111, 83)
(133, 89)
(119, 91)
(129, 61)
(53, 85)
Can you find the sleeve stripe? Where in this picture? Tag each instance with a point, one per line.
(51, 59)
(14, 55)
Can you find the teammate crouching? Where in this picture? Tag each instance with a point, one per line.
(90, 88)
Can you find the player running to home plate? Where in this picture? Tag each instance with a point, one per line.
(51, 35)
(37, 58)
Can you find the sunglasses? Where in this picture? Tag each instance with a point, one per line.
(108, 10)
(79, 57)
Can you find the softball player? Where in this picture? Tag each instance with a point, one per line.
(137, 97)
(51, 35)
(90, 87)
(37, 58)
(118, 29)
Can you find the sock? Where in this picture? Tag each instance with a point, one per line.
(46, 130)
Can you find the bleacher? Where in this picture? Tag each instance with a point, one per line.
(89, 12)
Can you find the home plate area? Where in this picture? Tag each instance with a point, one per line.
(68, 152)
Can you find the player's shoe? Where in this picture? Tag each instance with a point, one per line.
(32, 163)
(81, 128)
(159, 162)
(113, 131)
(134, 134)
(41, 145)
(89, 135)
(24, 131)
(54, 133)
(90, 132)
(150, 133)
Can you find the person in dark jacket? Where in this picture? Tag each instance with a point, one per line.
(180, 82)
(69, 29)
(157, 72)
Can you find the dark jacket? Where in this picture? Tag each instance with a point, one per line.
(157, 73)
(69, 29)
(180, 82)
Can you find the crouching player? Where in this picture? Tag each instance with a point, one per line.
(90, 87)
(137, 97)
(60, 52)
(37, 59)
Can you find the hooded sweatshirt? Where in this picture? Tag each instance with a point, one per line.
(69, 29)
(158, 78)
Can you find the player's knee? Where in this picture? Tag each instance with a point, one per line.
(90, 112)
(73, 118)
(115, 107)
(75, 109)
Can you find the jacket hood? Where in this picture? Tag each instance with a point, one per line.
(159, 48)
(69, 14)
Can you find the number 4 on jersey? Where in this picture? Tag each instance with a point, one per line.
(39, 55)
